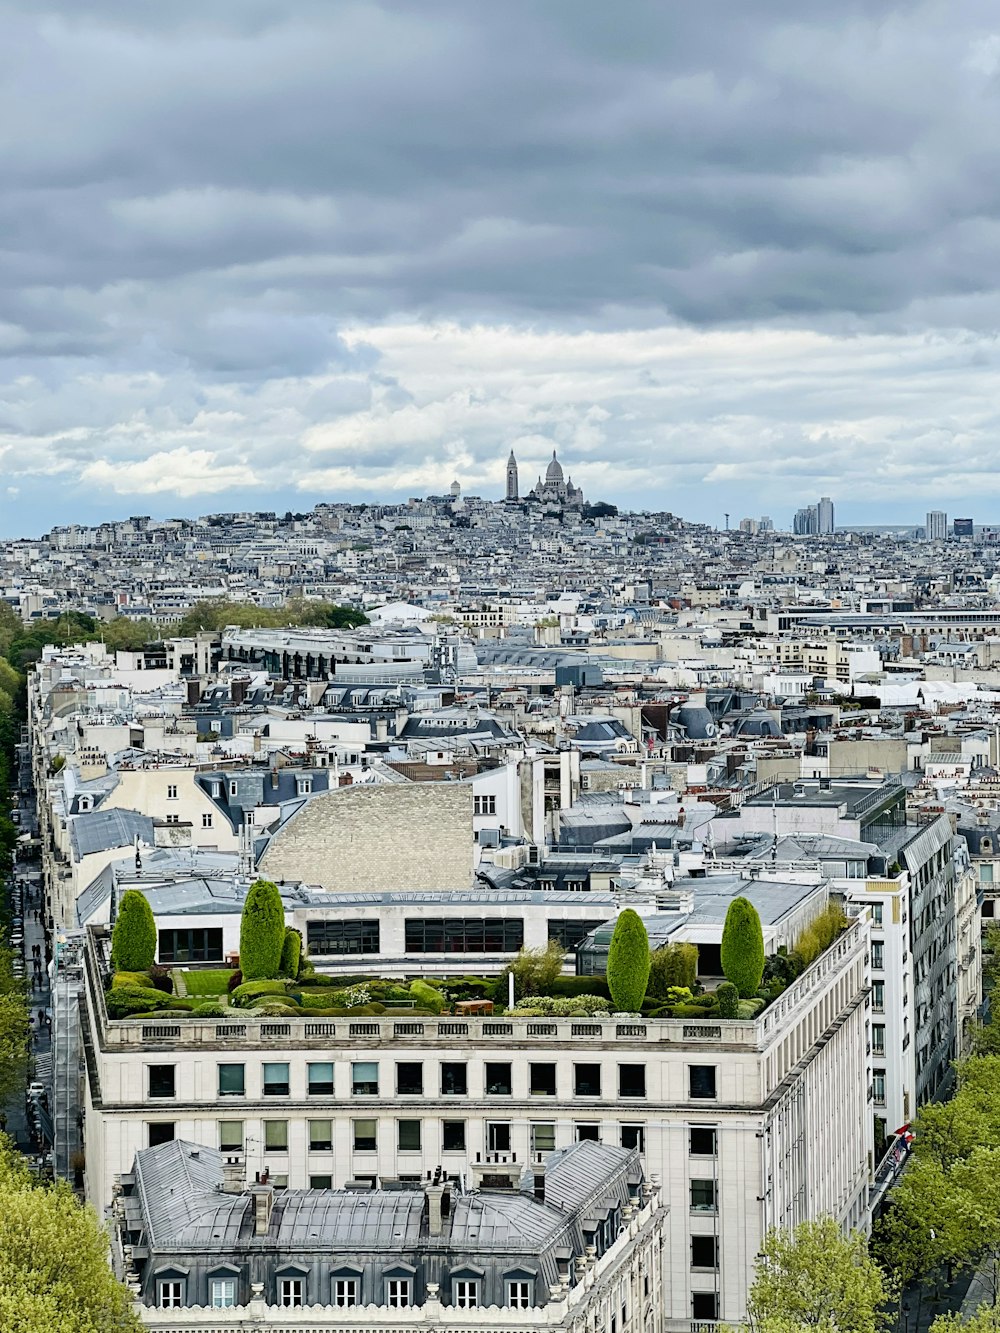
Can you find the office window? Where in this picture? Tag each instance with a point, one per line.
(587, 1080)
(321, 1079)
(877, 913)
(345, 1291)
(171, 791)
(634, 1136)
(159, 1131)
(320, 1135)
(408, 1135)
(498, 1079)
(878, 1038)
(409, 1078)
(223, 1291)
(454, 1080)
(570, 933)
(364, 1078)
(397, 1292)
(195, 945)
(333, 937)
(365, 1135)
(289, 1291)
(703, 1196)
(703, 1140)
(588, 1131)
(275, 1135)
(878, 996)
(464, 935)
(206, 821)
(878, 955)
(171, 1294)
(704, 1252)
(498, 1136)
(230, 1135)
(705, 1305)
(276, 1080)
(701, 1079)
(321, 1182)
(519, 1295)
(631, 1080)
(543, 1136)
(542, 1080)
(161, 1081)
(466, 1293)
(453, 1136)
(231, 1081)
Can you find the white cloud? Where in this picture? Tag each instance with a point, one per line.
(183, 472)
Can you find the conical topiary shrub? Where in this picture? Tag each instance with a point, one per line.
(262, 932)
(628, 963)
(133, 940)
(743, 947)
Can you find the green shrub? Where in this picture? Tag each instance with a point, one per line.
(262, 932)
(729, 1000)
(709, 1000)
(628, 962)
(141, 979)
(577, 1006)
(820, 933)
(533, 970)
(133, 940)
(291, 952)
(562, 986)
(210, 1011)
(782, 967)
(673, 965)
(743, 947)
(688, 1011)
(250, 989)
(427, 996)
(124, 1001)
(750, 1008)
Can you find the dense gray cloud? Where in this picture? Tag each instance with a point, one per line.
(718, 255)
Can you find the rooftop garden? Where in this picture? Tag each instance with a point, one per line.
(276, 978)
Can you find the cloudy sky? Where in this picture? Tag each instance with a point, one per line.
(723, 257)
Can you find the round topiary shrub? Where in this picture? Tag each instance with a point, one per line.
(743, 947)
(291, 952)
(628, 962)
(729, 1000)
(262, 932)
(209, 1011)
(133, 940)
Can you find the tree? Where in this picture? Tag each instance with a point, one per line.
(133, 940)
(54, 1270)
(262, 932)
(534, 970)
(673, 965)
(985, 1320)
(816, 1277)
(743, 947)
(291, 952)
(628, 962)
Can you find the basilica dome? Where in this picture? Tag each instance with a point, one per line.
(553, 473)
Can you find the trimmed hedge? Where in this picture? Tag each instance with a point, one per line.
(568, 986)
(291, 952)
(133, 940)
(628, 962)
(729, 1000)
(427, 996)
(210, 1011)
(262, 932)
(250, 989)
(743, 947)
(124, 1001)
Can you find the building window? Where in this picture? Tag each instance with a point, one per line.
(289, 1291)
(634, 1136)
(234, 788)
(878, 996)
(326, 937)
(542, 1080)
(172, 819)
(877, 914)
(498, 1136)
(498, 1079)
(464, 935)
(631, 1080)
(587, 1080)
(878, 955)
(703, 1140)
(171, 1294)
(223, 1293)
(206, 820)
(275, 1135)
(878, 1038)
(409, 1078)
(230, 1135)
(231, 1081)
(321, 1182)
(161, 1080)
(453, 1136)
(704, 1252)
(171, 791)
(878, 1087)
(345, 1291)
(705, 1306)
(321, 1079)
(454, 1080)
(364, 1078)
(276, 1080)
(159, 1131)
(570, 933)
(466, 1293)
(588, 1131)
(408, 1135)
(320, 1135)
(365, 1135)
(543, 1136)
(519, 1295)
(484, 805)
(986, 872)
(397, 1292)
(703, 1196)
(701, 1081)
(202, 945)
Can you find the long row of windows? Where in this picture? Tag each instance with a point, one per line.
(345, 1291)
(464, 935)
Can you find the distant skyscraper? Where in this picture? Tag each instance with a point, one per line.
(806, 521)
(963, 527)
(936, 526)
(824, 512)
(512, 477)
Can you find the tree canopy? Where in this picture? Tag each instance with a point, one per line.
(262, 932)
(628, 962)
(743, 947)
(133, 940)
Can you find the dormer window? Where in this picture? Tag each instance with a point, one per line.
(86, 804)
(234, 788)
(303, 786)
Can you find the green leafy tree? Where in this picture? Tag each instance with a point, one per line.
(628, 962)
(673, 965)
(743, 947)
(815, 1277)
(262, 932)
(985, 1320)
(291, 952)
(534, 971)
(133, 940)
(54, 1270)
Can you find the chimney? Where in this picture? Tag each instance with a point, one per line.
(538, 1188)
(193, 692)
(233, 1176)
(435, 1213)
(263, 1203)
(238, 689)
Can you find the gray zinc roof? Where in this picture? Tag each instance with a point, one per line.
(101, 830)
